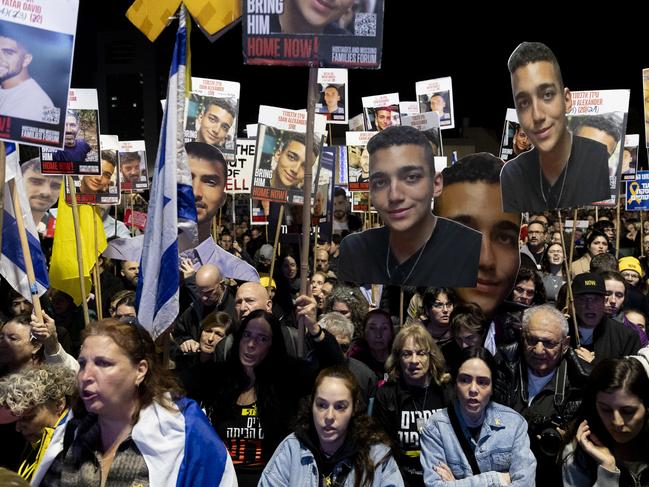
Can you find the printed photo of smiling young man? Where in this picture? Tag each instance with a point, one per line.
(562, 170)
(415, 247)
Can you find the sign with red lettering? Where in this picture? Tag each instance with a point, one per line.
(37, 43)
(345, 33)
(135, 219)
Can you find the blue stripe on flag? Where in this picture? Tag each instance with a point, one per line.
(186, 203)
(158, 283)
(205, 454)
(12, 249)
(180, 52)
(168, 278)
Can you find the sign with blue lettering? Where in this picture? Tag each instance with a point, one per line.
(637, 192)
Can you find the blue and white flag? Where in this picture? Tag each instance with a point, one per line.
(171, 207)
(179, 446)
(12, 262)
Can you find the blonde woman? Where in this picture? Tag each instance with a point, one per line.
(417, 386)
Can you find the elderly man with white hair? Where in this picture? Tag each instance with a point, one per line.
(343, 330)
(543, 385)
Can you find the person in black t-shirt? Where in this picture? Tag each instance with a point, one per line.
(414, 247)
(561, 171)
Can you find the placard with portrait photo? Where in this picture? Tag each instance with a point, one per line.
(37, 46)
(428, 124)
(358, 160)
(102, 189)
(332, 101)
(436, 95)
(80, 154)
(514, 140)
(134, 174)
(344, 33)
(630, 157)
(601, 115)
(281, 154)
(212, 114)
(381, 111)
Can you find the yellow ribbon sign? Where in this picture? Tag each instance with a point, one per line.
(152, 16)
(634, 188)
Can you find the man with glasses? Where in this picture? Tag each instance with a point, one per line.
(599, 335)
(540, 386)
(212, 295)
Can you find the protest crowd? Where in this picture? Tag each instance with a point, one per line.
(448, 332)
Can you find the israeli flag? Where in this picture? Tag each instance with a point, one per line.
(12, 262)
(171, 206)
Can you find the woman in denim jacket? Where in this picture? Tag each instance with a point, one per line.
(335, 443)
(493, 448)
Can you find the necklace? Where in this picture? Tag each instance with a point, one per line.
(421, 421)
(421, 251)
(565, 173)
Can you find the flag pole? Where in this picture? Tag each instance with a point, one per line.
(571, 300)
(315, 247)
(3, 164)
(617, 228)
(306, 206)
(280, 219)
(95, 272)
(77, 236)
(29, 266)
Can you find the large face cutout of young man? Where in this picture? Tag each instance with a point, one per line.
(208, 183)
(478, 205)
(541, 105)
(402, 185)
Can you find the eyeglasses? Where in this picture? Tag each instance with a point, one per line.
(409, 353)
(531, 342)
(440, 305)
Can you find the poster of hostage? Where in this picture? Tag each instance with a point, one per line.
(281, 154)
(436, 95)
(428, 124)
(212, 114)
(102, 189)
(80, 154)
(345, 33)
(381, 111)
(332, 85)
(358, 160)
(601, 115)
(133, 171)
(36, 50)
(630, 157)
(514, 140)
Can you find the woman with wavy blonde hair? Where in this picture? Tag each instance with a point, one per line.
(40, 399)
(417, 387)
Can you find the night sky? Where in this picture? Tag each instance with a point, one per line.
(608, 53)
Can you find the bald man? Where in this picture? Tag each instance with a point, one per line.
(212, 295)
(250, 297)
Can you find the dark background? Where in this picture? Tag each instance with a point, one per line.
(597, 48)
